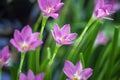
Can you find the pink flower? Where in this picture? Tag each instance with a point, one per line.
(30, 76)
(50, 8)
(63, 36)
(101, 39)
(76, 72)
(4, 56)
(25, 40)
(103, 9)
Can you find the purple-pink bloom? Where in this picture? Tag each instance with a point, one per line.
(101, 39)
(75, 72)
(25, 40)
(63, 36)
(31, 76)
(4, 56)
(50, 8)
(103, 9)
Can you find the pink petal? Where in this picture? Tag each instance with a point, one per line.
(86, 73)
(40, 76)
(57, 31)
(72, 36)
(5, 50)
(42, 5)
(14, 43)
(26, 32)
(78, 67)
(65, 29)
(58, 6)
(69, 69)
(17, 36)
(30, 75)
(54, 15)
(35, 44)
(22, 76)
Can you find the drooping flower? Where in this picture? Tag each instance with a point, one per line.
(50, 8)
(31, 76)
(25, 40)
(103, 9)
(101, 39)
(75, 72)
(4, 56)
(63, 36)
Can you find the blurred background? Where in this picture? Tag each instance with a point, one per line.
(15, 14)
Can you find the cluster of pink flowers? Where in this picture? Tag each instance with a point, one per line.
(26, 40)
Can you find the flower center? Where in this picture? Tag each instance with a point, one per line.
(24, 46)
(2, 62)
(49, 10)
(62, 40)
(76, 77)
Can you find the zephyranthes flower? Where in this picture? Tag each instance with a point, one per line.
(103, 9)
(25, 40)
(76, 72)
(63, 36)
(31, 76)
(4, 56)
(50, 7)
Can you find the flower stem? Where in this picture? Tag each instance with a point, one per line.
(21, 63)
(78, 41)
(37, 23)
(54, 54)
(44, 20)
(0, 73)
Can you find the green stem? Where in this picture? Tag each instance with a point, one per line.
(21, 64)
(0, 73)
(54, 54)
(78, 41)
(82, 60)
(44, 20)
(37, 23)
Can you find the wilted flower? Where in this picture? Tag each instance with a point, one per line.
(4, 56)
(25, 40)
(63, 36)
(101, 39)
(76, 72)
(103, 8)
(50, 7)
(31, 76)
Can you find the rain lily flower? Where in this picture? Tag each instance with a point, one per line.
(50, 8)
(25, 40)
(63, 36)
(76, 72)
(103, 8)
(4, 56)
(101, 39)
(31, 76)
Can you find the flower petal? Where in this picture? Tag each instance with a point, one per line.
(58, 6)
(72, 36)
(69, 69)
(30, 75)
(54, 15)
(26, 32)
(35, 44)
(40, 76)
(78, 67)
(65, 29)
(22, 76)
(86, 73)
(17, 36)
